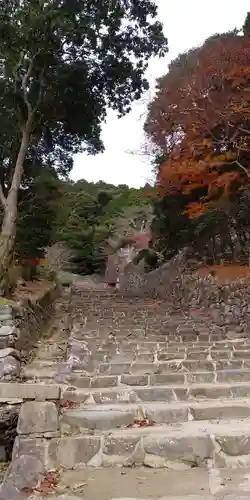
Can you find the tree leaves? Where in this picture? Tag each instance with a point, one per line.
(68, 62)
(200, 118)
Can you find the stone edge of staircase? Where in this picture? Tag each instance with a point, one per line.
(38, 422)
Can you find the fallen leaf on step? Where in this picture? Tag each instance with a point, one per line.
(79, 486)
(69, 404)
(141, 423)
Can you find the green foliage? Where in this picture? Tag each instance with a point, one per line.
(62, 65)
(171, 228)
(65, 63)
(246, 27)
(92, 213)
(39, 201)
(223, 230)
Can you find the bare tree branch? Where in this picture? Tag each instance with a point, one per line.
(243, 168)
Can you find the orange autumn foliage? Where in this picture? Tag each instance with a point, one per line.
(200, 118)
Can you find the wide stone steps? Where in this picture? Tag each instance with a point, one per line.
(103, 381)
(164, 355)
(179, 446)
(135, 366)
(149, 484)
(105, 417)
(167, 394)
(147, 390)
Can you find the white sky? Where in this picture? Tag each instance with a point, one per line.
(186, 25)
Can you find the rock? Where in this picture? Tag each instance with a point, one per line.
(64, 372)
(7, 330)
(9, 351)
(9, 368)
(38, 417)
(8, 491)
(8, 336)
(26, 472)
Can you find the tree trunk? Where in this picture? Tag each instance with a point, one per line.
(8, 230)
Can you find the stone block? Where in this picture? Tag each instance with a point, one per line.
(8, 491)
(117, 368)
(167, 378)
(99, 419)
(120, 445)
(155, 394)
(143, 368)
(30, 446)
(221, 355)
(123, 396)
(38, 418)
(240, 391)
(80, 381)
(70, 452)
(29, 391)
(227, 411)
(134, 379)
(100, 382)
(165, 414)
(233, 376)
(202, 365)
(145, 357)
(190, 450)
(213, 392)
(235, 364)
(200, 377)
(234, 445)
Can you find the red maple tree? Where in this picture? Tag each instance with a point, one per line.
(200, 118)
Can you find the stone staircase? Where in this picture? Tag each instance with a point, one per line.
(150, 396)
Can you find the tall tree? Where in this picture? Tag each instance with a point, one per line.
(39, 202)
(200, 120)
(62, 64)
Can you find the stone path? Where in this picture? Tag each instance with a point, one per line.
(152, 405)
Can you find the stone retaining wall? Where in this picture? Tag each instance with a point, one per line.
(20, 327)
(228, 304)
(38, 423)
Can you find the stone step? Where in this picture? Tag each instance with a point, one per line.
(201, 351)
(182, 445)
(101, 381)
(147, 345)
(110, 342)
(130, 354)
(170, 366)
(104, 417)
(161, 484)
(145, 334)
(39, 369)
(166, 393)
(187, 497)
(192, 355)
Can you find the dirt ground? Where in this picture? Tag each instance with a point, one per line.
(226, 273)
